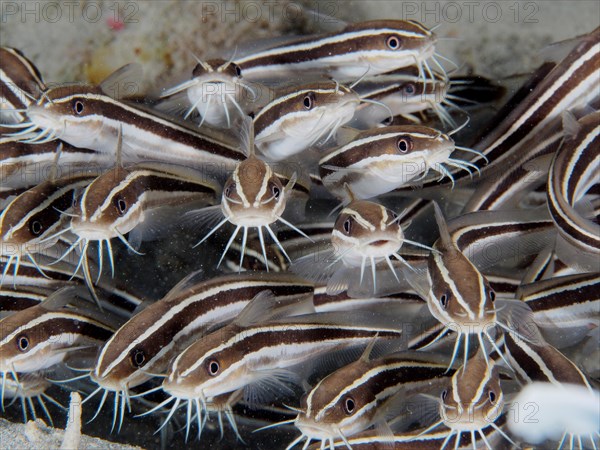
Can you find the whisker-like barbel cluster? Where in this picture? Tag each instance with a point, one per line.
(430, 261)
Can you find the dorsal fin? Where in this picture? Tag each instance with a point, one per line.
(119, 155)
(185, 284)
(54, 168)
(349, 191)
(570, 125)
(123, 82)
(367, 353)
(445, 238)
(266, 306)
(247, 137)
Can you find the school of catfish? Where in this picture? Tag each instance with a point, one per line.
(365, 281)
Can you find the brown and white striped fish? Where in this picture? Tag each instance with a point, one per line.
(364, 232)
(566, 308)
(86, 117)
(539, 362)
(41, 336)
(250, 352)
(20, 85)
(146, 344)
(472, 402)
(572, 83)
(461, 298)
(302, 116)
(123, 200)
(253, 197)
(363, 394)
(375, 47)
(28, 222)
(574, 170)
(216, 87)
(405, 93)
(380, 160)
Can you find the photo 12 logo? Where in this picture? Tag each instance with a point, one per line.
(470, 11)
(68, 11)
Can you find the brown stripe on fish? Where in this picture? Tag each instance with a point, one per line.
(384, 45)
(20, 83)
(576, 166)
(85, 117)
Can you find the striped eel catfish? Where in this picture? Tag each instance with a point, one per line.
(30, 387)
(362, 394)
(510, 182)
(363, 232)
(253, 197)
(404, 92)
(492, 238)
(29, 220)
(215, 87)
(472, 402)
(380, 160)
(23, 166)
(86, 117)
(565, 307)
(146, 344)
(541, 362)
(571, 84)
(376, 440)
(258, 357)
(19, 298)
(41, 336)
(377, 46)
(20, 84)
(129, 200)
(31, 283)
(461, 298)
(302, 116)
(574, 169)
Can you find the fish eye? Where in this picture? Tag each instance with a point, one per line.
(393, 42)
(229, 190)
(444, 300)
(348, 225)
(349, 405)
(23, 343)
(213, 367)
(78, 107)
(237, 69)
(409, 88)
(138, 357)
(492, 296)
(444, 395)
(121, 205)
(276, 191)
(492, 397)
(387, 121)
(309, 101)
(36, 227)
(405, 144)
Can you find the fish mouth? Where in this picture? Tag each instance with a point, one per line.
(108, 382)
(314, 431)
(40, 117)
(382, 244)
(92, 232)
(379, 242)
(176, 389)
